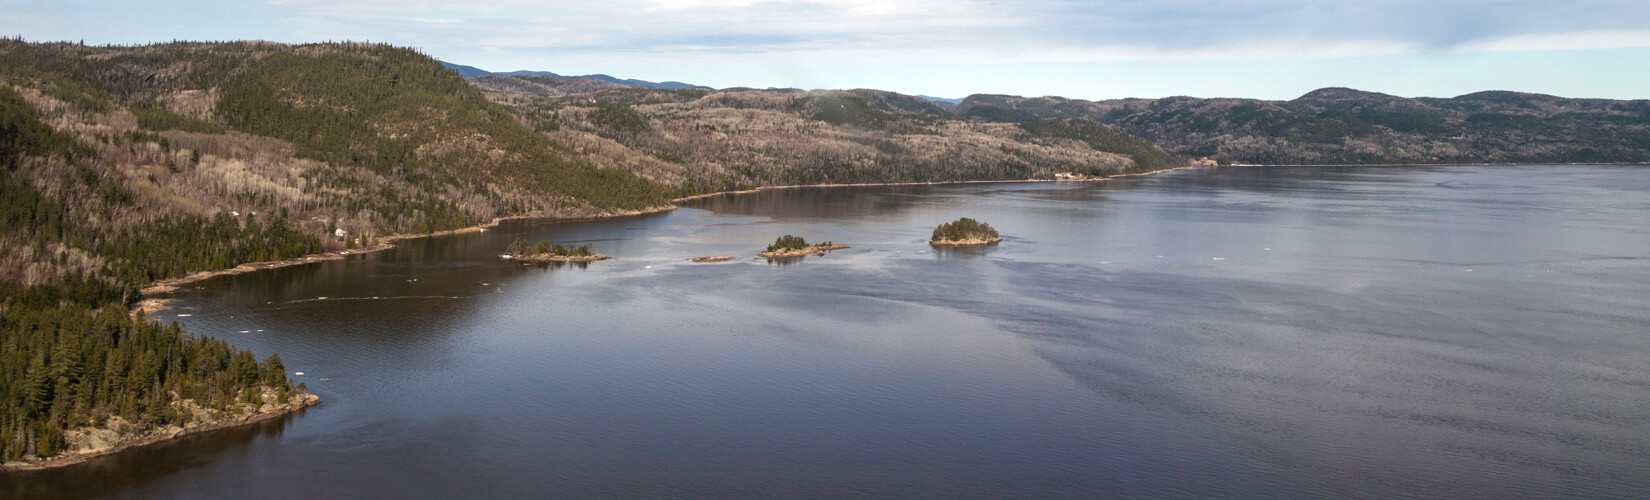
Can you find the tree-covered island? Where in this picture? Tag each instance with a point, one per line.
(964, 232)
(793, 246)
(545, 251)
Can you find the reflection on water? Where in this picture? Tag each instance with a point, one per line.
(1240, 332)
(961, 252)
(556, 265)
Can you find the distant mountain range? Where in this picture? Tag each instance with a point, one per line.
(958, 100)
(1325, 126)
(474, 72)
(1347, 126)
(700, 140)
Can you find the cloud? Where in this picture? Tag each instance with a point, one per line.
(1052, 30)
(912, 31)
(674, 5)
(1585, 40)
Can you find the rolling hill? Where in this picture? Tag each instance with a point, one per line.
(474, 72)
(1346, 126)
(699, 140)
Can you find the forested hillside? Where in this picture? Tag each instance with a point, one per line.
(127, 165)
(70, 356)
(700, 140)
(370, 138)
(1345, 126)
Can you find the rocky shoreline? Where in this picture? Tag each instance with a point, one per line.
(87, 443)
(965, 243)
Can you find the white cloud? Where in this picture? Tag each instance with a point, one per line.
(436, 20)
(1052, 30)
(676, 5)
(1581, 40)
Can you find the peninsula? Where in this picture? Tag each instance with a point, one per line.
(964, 232)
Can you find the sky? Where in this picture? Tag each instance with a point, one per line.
(1270, 49)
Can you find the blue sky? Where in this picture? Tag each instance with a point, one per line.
(1275, 49)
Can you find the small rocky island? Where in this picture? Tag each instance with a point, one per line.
(791, 246)
(544, 251)
(719, 258)
(964, 232)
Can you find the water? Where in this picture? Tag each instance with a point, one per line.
(1243, 332)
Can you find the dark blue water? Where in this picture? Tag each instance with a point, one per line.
(1238, 333)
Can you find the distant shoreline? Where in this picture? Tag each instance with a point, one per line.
(931, 183)
(1536, 164)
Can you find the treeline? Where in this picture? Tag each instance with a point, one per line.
(101, 78)
(70, 366)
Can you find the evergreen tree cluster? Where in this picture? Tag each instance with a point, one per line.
(619, 116)
(964, 229)
(788, 243)
(150, 117)
(75, 365)
(520, 247)
(22, 132)
(170, 247)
